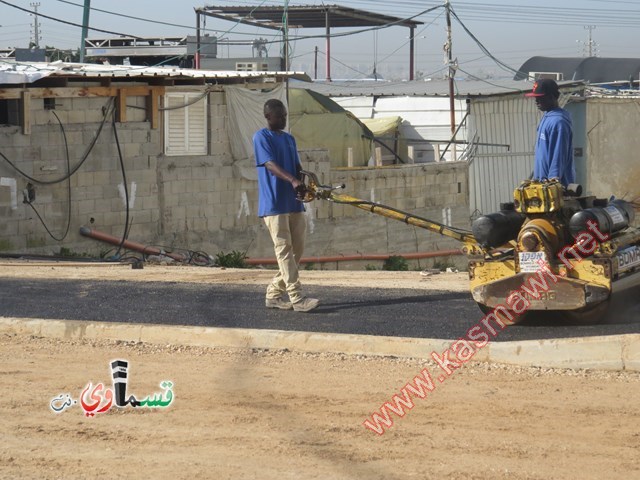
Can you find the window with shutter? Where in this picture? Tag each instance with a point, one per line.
(185, 125)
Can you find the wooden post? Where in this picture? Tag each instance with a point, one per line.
(26, 113)
(350, 157)
(121, 104)
(152, 108)
(378, 156)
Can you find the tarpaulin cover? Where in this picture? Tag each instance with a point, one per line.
(314, 120)
(245, 109)
(383, 126)
(317, 121)
(387, 131)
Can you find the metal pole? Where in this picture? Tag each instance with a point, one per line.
(452, 106)
(85, 28)
(196, 55)
(36, 29)
(285, 49)
(315, 64)
(328, 37)
(411, 53)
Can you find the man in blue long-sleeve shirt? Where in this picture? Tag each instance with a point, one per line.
(554, 145)
(279, 204)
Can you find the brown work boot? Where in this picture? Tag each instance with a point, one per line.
(306, 304)
(278, 302)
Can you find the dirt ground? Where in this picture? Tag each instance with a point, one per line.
(256, 414)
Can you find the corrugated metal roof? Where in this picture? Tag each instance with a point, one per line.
(463, 88)
(21, 72)
(589, 69)
(304, 16)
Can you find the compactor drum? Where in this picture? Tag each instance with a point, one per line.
(550, 250)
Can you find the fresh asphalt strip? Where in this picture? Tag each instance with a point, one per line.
(403, 323)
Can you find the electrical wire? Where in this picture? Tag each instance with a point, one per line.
(472, 11)
(349, 67)
(414, 36)
(122, 15)
(66, 146)
(126, 187)
(298, 37)
(106, 111)
(65, 21)
(501, 64)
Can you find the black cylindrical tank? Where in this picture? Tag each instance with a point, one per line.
(497, 228)
(616, 216)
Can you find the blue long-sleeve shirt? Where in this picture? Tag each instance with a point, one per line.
(554, 148)
(276, 196)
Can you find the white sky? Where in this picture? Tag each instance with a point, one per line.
(511, 31)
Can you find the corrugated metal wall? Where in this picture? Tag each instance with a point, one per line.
(423, 118)
(361, 107)
(495, 170)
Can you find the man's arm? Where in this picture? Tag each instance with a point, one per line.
(559, 143)
(284, 175)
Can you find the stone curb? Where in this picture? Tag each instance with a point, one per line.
(616, 352)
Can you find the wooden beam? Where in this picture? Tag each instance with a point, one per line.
(153, 107)
(74, 92)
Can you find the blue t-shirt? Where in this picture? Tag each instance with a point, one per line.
(276, 196)
(554, 148)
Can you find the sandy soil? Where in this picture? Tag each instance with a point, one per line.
(458, 282)
(253, 414)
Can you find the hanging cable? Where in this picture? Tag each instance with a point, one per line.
(126, 188)
(29, 201)
(106, 110)
(484, 49)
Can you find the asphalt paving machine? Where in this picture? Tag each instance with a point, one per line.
(551, 252)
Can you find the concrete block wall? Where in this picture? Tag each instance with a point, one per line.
(199, 203)
(435, 191)
(97, 188)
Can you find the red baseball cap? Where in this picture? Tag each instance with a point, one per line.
(542, 87)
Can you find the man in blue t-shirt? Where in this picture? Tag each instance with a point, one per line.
(279, 204)
(554, 145)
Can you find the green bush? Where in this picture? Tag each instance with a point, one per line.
(396, 263)
(368, 266)
(234, 259)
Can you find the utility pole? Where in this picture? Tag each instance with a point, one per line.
(315, 64)
(451, 74)
(590, 43)
(285, 42)
(36, 25)
(196, 55)
(85, 28)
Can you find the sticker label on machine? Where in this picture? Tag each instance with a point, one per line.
(529, 261)
(615, 215)
(628, 258)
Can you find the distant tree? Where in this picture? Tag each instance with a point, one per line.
(56, 54)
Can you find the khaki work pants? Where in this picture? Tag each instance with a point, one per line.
(288, 234)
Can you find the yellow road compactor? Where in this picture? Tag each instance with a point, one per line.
(550, 250)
